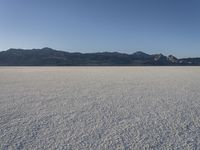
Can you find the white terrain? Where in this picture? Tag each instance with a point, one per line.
(99, 108)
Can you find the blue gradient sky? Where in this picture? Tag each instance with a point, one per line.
(152, 26)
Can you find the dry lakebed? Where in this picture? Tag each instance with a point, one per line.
(99, 108)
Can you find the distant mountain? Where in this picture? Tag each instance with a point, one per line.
(50, 57)
(141, 55)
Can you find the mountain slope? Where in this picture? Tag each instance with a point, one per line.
(50, 57)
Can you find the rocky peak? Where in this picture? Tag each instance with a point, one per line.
(158, 57)
(172, 59)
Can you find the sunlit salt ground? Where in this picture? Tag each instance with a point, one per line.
(99, 108)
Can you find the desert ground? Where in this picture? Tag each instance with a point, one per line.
(99, 108)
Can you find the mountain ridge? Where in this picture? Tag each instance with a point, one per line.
(50, 57)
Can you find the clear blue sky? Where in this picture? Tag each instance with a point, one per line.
(152, 26)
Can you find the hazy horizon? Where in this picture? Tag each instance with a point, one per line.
(120, 51)
(157, 26)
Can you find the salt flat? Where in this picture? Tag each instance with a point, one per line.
(99, 108)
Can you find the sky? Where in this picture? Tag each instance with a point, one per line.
(151, 26)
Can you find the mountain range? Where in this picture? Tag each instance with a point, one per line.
(50, 57)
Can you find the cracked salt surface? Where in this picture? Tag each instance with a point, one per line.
(99, 108)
